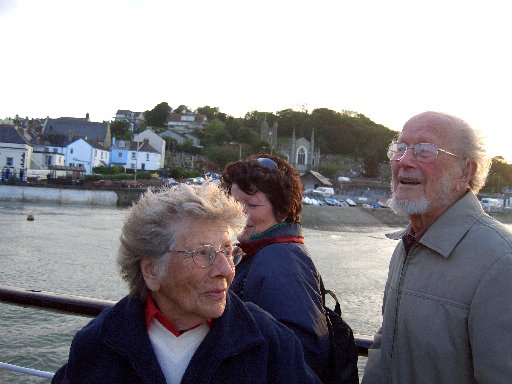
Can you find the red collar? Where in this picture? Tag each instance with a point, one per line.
(151, 311)
(251, 247)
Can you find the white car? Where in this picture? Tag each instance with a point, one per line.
(323, 192)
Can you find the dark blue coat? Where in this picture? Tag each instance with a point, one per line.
(282, 279)
(244, 345)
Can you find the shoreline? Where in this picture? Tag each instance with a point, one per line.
(358, 219)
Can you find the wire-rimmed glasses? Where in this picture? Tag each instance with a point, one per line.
(423, 152)
(204, 255)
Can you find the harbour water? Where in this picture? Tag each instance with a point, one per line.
(72, 249)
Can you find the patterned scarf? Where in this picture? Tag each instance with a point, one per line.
(251, 247)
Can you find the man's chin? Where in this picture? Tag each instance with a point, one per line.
(408, 207)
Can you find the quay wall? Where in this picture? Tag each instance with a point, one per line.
(58, 195)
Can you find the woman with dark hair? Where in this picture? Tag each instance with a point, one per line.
(277, 273)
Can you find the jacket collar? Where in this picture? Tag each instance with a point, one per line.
(124, 330)
(446, 232)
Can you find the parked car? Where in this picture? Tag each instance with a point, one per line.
(168, 182)
(103, 183)
(323, 192)
(131, 184)
(490, 204)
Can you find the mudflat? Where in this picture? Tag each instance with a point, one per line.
(328, 218)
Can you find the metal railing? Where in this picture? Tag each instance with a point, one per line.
(82, 306)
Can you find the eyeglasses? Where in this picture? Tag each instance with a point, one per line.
(267, 163)
(423, 152)
(205, 255)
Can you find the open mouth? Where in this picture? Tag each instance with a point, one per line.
(409, 181)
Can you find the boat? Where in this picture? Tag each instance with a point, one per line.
(351, 202)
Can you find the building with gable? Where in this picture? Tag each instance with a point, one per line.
(15, 149)
(135, 155)
(86, 154)
(186, 122)
(78, 128)
(135, 119)
(156, 142)
(300, 153)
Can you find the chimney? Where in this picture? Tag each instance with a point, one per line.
(87, 116)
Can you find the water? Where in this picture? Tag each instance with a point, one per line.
(72, 249)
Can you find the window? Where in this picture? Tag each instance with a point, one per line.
(134, 155)
(147, 156)
(9, 161)
(56, 149)
(95, 153)
(301, 157)
(71, 151)
(119, 155)
(133, 165)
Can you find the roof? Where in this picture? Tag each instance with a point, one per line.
(79, 127)
(144, 148)
(320, 177)
(13, 135)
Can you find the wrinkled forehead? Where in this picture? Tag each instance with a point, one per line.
(431, 128)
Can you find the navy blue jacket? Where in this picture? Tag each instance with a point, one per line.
(282, 279)
(244, 345)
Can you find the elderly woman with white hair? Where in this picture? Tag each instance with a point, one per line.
(180, 323)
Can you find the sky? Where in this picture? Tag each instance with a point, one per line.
(388, 60)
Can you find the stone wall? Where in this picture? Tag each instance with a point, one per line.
(57, 195)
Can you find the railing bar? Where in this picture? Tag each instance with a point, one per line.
(27, 371)
(86, 306)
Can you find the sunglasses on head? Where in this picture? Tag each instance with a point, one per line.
(267, 163)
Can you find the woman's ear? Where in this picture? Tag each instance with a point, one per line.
(147, 267)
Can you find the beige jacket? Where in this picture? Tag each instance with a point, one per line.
(447, 310)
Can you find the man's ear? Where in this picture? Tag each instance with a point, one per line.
(469, 171)
(147, 267)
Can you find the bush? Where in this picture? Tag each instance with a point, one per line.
(108, 170)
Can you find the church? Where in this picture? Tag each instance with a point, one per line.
(300, 153)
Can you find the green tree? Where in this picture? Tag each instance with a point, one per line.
(120, 130)
(500, 176)
(288, 120)
(157, 117)
(222, 155)
(180, 108)
(215, 133)
(212, 113)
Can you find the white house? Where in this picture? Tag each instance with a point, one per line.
(142, 156)
(15, 148)
(186, 121)
(155, 141)
(87, 154)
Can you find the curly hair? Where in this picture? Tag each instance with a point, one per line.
(152, 224)
(281, 185)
